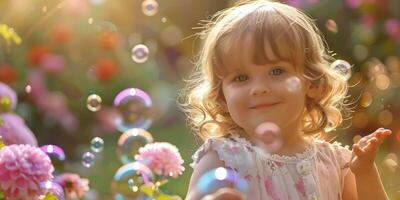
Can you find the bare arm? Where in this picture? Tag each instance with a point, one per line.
(369, 185)
(350, 187)
(364, 173)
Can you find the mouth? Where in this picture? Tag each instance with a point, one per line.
(264, 105)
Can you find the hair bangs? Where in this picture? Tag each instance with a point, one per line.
(247, 42)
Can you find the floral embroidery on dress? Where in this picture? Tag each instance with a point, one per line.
(270, 188)
(303, 176)
(300, 187)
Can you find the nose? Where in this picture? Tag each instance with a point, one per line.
(259, 90)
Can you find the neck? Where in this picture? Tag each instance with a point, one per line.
(292, 145)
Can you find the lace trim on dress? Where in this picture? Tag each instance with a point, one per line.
(308, 154)
(232, 153)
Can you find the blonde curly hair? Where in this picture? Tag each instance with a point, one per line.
(275, 27)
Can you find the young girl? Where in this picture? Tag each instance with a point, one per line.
(263, 96)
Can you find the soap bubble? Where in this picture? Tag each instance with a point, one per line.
(134, 106)
(93, 102)
(140, 53)
(88, 159)
(130, 142)
(97, 144)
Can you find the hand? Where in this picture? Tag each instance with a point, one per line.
(365, 150)
(224, 194)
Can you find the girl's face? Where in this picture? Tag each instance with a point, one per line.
(273, 92)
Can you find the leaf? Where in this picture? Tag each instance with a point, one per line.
(147, 189)
(8, 33)
(165, 197)
(50, 196)
(15, 37)
(1, 196)
(1, 146)
(163, 182)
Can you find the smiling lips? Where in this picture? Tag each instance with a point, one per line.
(263, 106)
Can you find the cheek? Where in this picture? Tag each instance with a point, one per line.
(236, 101)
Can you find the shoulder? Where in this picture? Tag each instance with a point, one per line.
(209, 160)
(336, 149)
(233, 152)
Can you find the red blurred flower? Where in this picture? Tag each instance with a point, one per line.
(7, 73)
(61, 34)
(105, 69)
(37, 54)
(76, 7)
(108, 40)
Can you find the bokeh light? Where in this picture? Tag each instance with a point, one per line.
(331, 26)
(366, 99)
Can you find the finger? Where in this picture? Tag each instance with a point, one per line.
(372, 145)
(376, 132)
(383, 134)
(357, 150)
(362, 142)
(379, 131)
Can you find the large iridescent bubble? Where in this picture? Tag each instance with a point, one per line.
(134, 106)
(53, 151)
(128, 179)
(343, 67)
(218, 178)
(54, 188)
(130, 142)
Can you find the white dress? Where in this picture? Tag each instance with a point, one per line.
(317, 173)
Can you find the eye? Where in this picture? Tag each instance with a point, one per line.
(240, 78)
(276, 71)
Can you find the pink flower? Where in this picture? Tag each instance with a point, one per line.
(74, 186)
(22, 169)
(14, 131)
(392, 27)
(7, 92)
(53, 64)
(161, 157)
(55, 106)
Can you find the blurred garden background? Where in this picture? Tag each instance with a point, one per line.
(57, 53)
